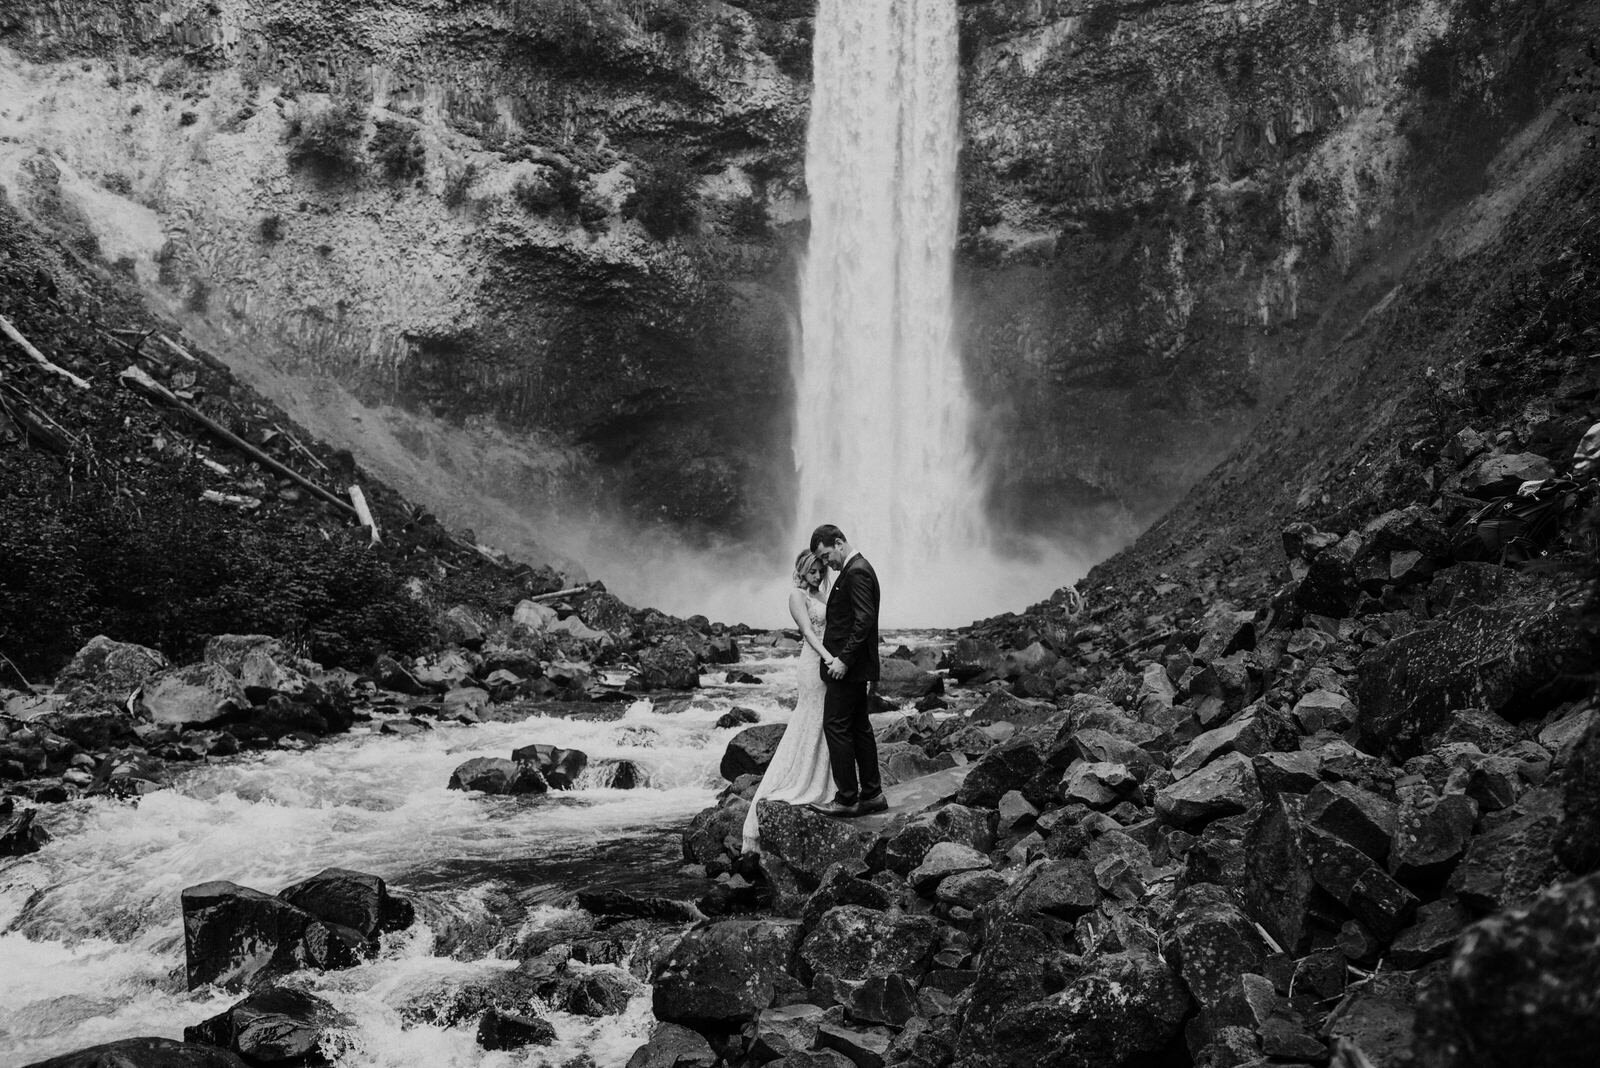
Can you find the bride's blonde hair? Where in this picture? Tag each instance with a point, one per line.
(802, 564)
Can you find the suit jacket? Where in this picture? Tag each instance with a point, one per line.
(850, 629)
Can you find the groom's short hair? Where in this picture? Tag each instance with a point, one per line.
(826, 534)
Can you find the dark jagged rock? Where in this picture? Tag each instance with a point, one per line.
(785, 1030)
(841, 887)
(351, 899)
(906, 843)
(715, 831)
(496, 775)
(903, 680)
(737, 716)
(1379, 1018)
(560, 767)
(851, 944)
(197, 693)
(1508, 864)
(1119, 1006)
(672, 1046)
(1432, 937)
(19, 836)
(1522, 988)
(1060, 889)
(942, 860)
(1225, 787)
(972, 658)
(798, 846)
(865, 1047)
(504, 1030)
(274, 1026)
(594, 994)
(1258, 730)
(1430, 834)
(1006, 767)
(1019, 964)
(235, 936)
(622, 903)
(108, 669)
(1354, 815)
(1212, 943)
(750, 751)
(1577, 842)
(145, 1053)
(1501, 658)
(726, 972)
(672, 665)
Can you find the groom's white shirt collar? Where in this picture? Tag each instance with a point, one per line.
(853, 554)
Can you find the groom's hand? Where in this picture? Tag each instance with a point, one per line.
(836, 668)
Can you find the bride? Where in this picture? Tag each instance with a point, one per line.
(799, 772)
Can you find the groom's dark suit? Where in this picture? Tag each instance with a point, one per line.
(850, 632)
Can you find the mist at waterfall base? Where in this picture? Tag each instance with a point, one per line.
(91, 934)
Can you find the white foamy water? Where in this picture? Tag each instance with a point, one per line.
(91, 941)
(883, 428)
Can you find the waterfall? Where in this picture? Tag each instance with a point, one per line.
(883, 421)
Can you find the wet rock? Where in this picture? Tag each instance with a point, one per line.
(273, 1026)
(18, 834)
(496, 775)
(465, 701)
(1497, 658)
(903, 680)
(1354, 815)
(593, 994)
(1004, 768)
(235, 936)
(351, 899)
(622, 903)
(1224, 787)
(737, 716)
(145, 1053)
(560, 767)
(199, 693)
(672, 665)
(750, 751)
(942, 860)
(504, 1030)
(1522, 988)
(715, 831)
(726, 972)
(109, 669)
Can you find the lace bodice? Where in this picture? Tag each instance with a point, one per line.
(817, 610)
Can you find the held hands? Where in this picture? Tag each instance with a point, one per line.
(836, 668)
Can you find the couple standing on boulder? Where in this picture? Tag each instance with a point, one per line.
(829, 748)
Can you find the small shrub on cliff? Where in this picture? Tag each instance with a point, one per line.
(397, 146)
(457, 185)
(664, 199)
(271, 229)
(328, 141)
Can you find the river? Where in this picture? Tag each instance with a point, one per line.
(91, 936)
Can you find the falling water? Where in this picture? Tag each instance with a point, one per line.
(882, 441)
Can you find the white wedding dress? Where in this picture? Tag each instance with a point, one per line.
(799, 772)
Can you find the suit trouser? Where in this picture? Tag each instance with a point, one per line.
(851, 743)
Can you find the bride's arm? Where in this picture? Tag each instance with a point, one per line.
(802, 619)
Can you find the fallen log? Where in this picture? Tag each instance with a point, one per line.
(37, 356)
(568, 592)
(364, 513)
(138, 380)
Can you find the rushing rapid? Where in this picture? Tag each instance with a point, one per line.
(91, 937)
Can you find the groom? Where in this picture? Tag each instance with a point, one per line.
(850, 636)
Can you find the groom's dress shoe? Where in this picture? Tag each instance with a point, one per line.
(833, 808)
(876, 803)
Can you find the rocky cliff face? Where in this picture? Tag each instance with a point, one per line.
(528, 257)
(534, 250)
(1169, 206)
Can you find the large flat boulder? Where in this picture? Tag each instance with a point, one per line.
(236, 937)
(726, 972)
(750, 751)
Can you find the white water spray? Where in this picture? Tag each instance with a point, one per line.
(883, 430)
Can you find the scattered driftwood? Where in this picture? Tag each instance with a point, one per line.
(307, 453)
(33, 422)
(235, 500)
(176, 348)
(37, 356)
(363, 513)
(568, 592)
(139, 380)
